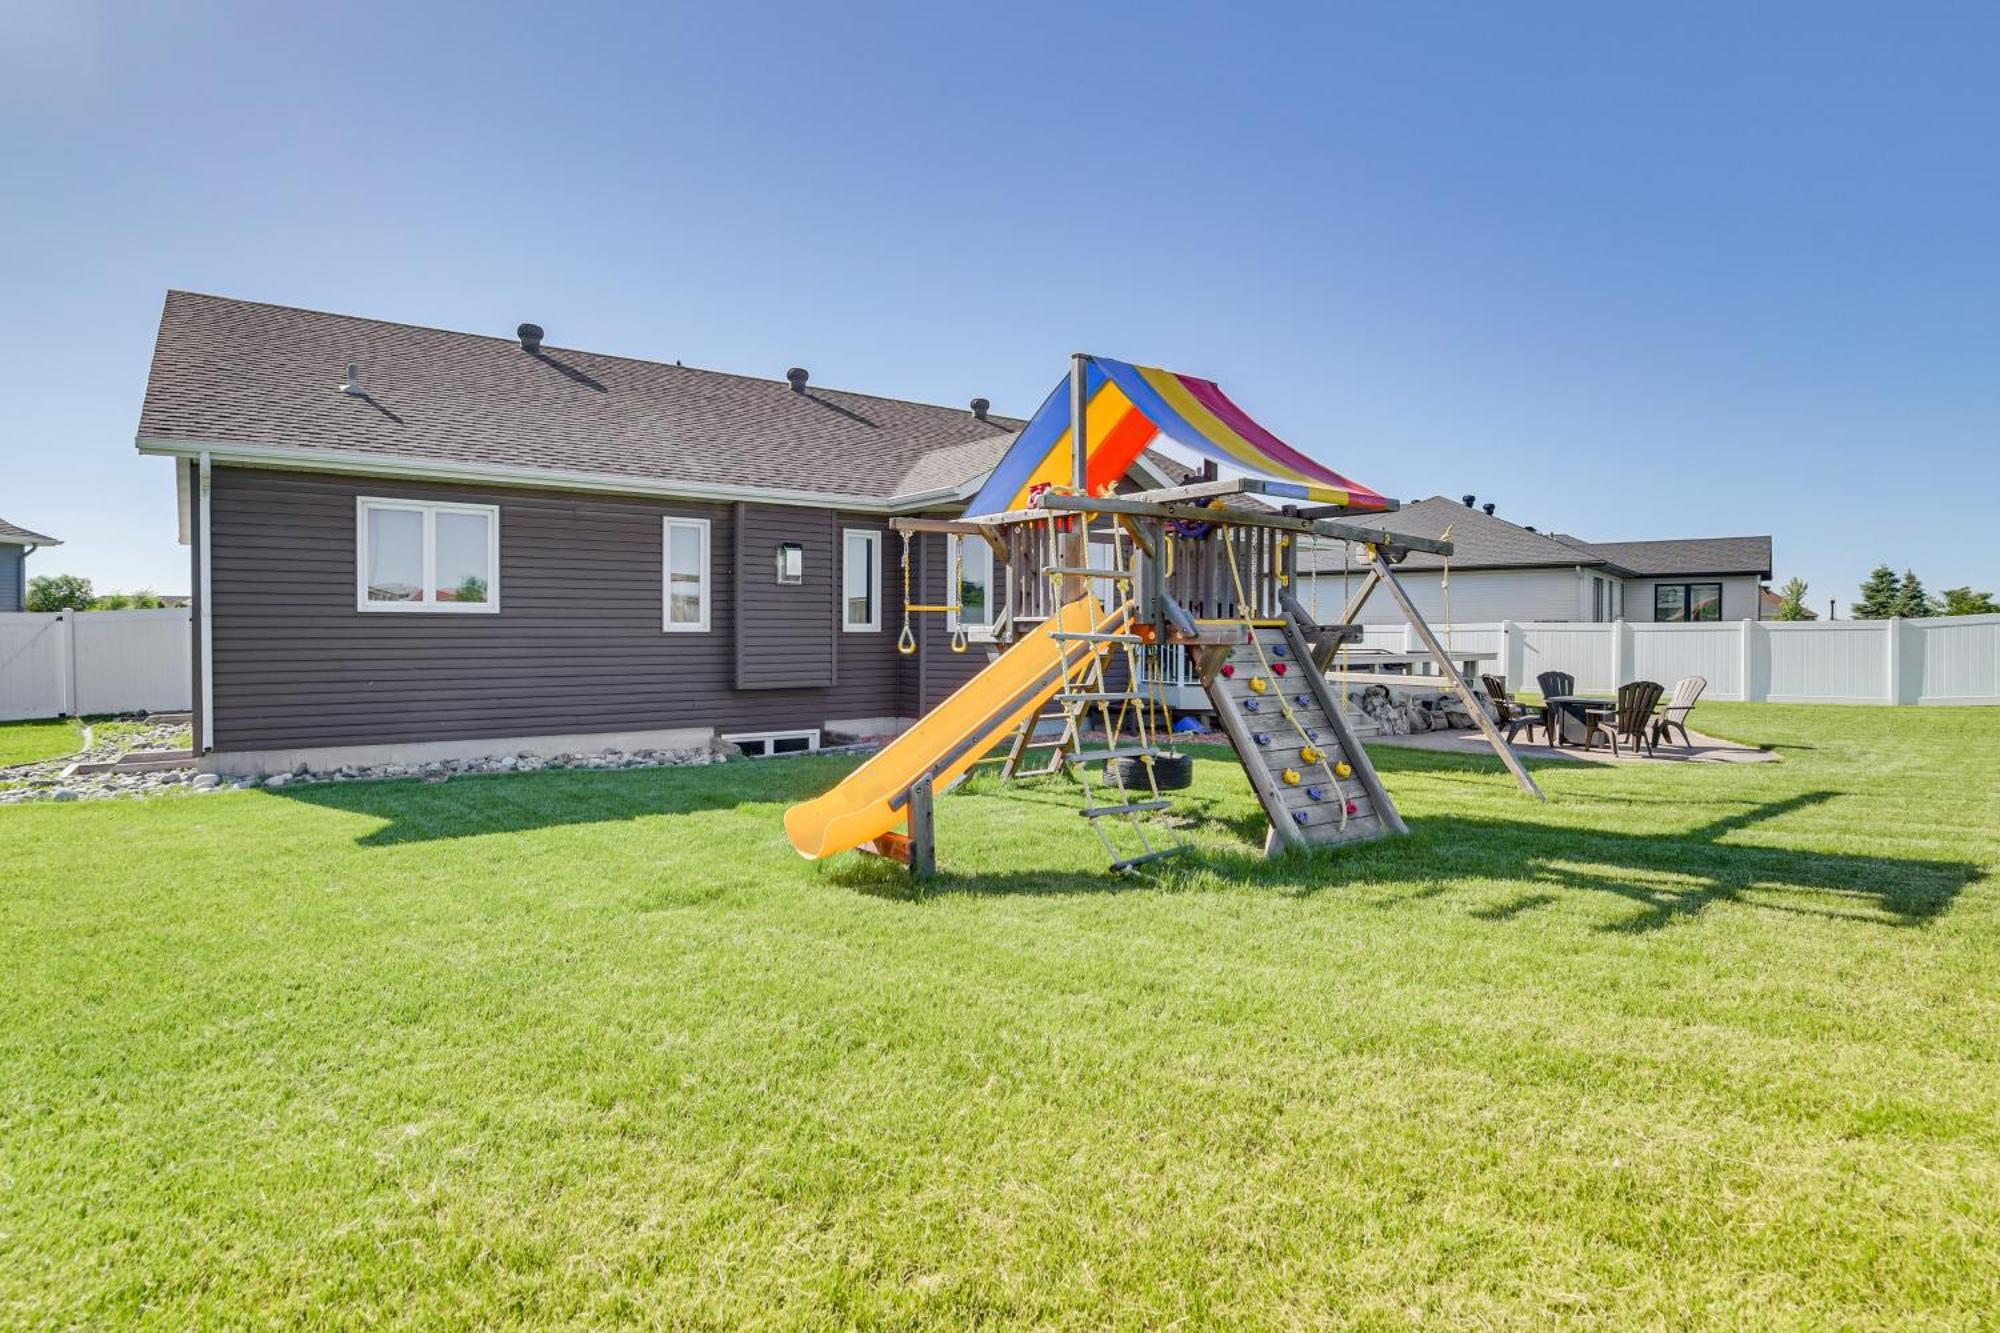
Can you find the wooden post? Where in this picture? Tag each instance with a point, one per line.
(1387, 577)
(923, 832)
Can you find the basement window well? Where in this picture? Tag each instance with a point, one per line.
(764, 744)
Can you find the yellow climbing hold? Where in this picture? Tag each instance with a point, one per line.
(1343, 769)
(1258, 685)
(1311, 755)
(1291, 777)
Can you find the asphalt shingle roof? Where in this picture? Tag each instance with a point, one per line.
(13, 536)
(1691, 555)
(244, 372)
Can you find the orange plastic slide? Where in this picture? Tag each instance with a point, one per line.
(982, 713)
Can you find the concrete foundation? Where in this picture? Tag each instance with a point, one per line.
(263, 763)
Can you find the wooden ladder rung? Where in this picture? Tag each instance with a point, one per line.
(1136, 807)
(1154, 855)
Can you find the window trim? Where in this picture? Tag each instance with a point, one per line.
(429, 509)
(668, 624)
(873, 625)
(995, 591)
(1687, 601)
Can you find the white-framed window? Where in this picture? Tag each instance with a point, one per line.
(426, 555)
(860, 580)
(684, 575)
(978, 593)
(764, 744)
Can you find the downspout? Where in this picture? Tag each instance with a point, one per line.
(206, 740)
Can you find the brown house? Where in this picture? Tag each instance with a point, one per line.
(408, 543)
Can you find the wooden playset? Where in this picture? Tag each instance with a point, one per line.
(1182, 566)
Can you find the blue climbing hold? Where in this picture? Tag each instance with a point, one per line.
(1317, 793)
(1262, 738)
(1303, 701)
(1250, 705)
(1311, 734)
(1300, 817)
(1278, 650)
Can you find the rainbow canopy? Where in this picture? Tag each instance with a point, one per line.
(1128, 407)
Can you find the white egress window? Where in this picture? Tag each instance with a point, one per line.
(860, 580)
(426, 556)
(686, 574)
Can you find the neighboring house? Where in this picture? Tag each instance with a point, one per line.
(16, 545)
(1770, 603)
(1503, 571)
(474, 543)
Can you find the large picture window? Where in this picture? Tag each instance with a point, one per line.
(685, 575)
(1675, 603)
(978, 590)
(414, 555)
(860, 580)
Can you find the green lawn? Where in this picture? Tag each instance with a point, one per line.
(1699, 1045)
(33, 742)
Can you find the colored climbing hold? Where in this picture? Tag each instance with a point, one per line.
(1251, 705)
(1291, 776)
(1228, 670)
(1278, 650)
(1262, 738)
(1279, 668)
(1300, 817)
(1353, 809)
(1258, 684)
(1343, 769)
(1311, 734)
(1316, 793)
(1303, 700)
(1311, 755)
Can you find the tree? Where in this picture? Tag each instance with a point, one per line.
(145, 599)
(1792, 602)
(60, 592)
(1911, 599)
(1879, 592)
(1966, 602)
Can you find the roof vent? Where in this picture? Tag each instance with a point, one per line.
(1531, 527)
(1488, 507)
(531, 337)
(353, 387)
(1468, 500)
(980, 407)
(797, 375)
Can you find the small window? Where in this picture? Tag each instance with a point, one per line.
(977, 597)
(1679, 602)
(685, 556)
(764, 744)
(860, 580)
(422, 556)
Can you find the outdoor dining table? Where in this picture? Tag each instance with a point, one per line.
(1575, 708)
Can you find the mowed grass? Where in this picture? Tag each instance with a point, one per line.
(1697, 1045)
(33, 742)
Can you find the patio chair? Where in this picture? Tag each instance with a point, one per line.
(1552, 683)
(1687, 690)
(1512, 713)
(1631, 718)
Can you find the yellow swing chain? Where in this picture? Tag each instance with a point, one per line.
(906, 642)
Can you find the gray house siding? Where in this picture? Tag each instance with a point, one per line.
(13, 578)
(577, 644)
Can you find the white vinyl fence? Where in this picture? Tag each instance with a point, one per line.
(76, 662)
(1943, 660)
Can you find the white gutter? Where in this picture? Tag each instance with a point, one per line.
(206, 741)
(283, 457)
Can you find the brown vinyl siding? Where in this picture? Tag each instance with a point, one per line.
(577, 644)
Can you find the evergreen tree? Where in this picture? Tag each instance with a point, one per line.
(1911, 599)
(1966, 602)
(1878, 595)
(1792, 602)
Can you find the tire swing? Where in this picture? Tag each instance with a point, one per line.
(906, 642)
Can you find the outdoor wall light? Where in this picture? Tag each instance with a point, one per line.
(791, 562)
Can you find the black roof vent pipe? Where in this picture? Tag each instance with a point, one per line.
(797, 375)
(1468, 500)
(531, 337)
(1488, 507)
(980, 407)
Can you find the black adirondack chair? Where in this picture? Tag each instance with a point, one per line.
(1551, 684)
(1631, 719)
(1512, 713)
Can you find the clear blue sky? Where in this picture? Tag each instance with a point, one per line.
(1628, 271)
